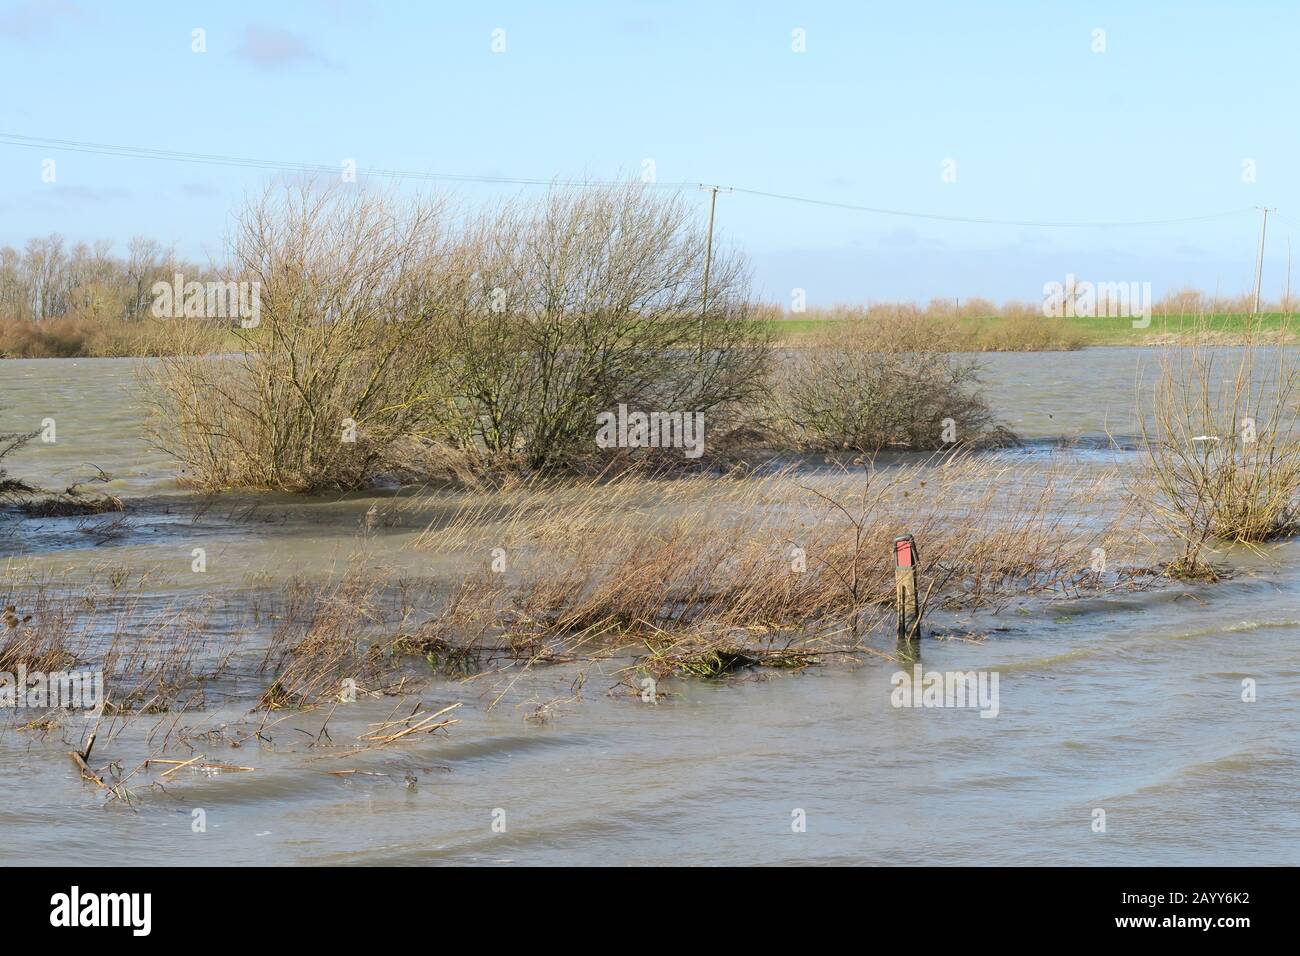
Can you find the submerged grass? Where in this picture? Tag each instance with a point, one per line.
(777, 568)
(695, 575)
(631, 573)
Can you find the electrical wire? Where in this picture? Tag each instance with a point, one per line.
(145, 152)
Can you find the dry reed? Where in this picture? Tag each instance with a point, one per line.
(766, 567)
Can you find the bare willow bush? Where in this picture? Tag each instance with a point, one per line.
(559, 310)
(388, 339)
(889, 380)
(1222, 450)
(329, 381)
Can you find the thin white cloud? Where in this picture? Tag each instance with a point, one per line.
(38, 19)
(79, 195)
(270, 49)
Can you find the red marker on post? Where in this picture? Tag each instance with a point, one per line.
(909, 611)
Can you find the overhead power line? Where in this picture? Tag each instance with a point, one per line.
(212, 159)
(992, 222)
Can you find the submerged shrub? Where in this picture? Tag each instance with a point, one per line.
(387, 341)
(13, 488)
(1222, 455)
(879, 382)
(557, 311)
(328, 382)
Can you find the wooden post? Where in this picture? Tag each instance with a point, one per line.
(909, 611)
(708, 257)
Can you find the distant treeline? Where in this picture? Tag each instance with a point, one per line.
(49, 279)
(82, 300)
(1180, 302)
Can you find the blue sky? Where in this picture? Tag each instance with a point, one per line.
(1041, 127)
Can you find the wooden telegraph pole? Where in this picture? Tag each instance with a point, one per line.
(708, 256)
(1259, 261)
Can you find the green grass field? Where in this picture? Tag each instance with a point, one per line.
(1107, 331)
(1091, 332)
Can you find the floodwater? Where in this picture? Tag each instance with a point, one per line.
(1131, 704)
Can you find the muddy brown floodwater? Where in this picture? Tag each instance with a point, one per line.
(1127, 703)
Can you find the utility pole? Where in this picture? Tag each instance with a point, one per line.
(708, 256)
(1259, 261)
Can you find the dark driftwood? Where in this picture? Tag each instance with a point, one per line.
(86, 772)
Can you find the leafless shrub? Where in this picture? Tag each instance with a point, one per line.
(568, 307)
(1222, 451)
(1026, 329)
(889, 381)
(499, 345)
(13, 489)
(330, 379)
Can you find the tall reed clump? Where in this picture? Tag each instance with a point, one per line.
(153, 656)
(793, 556)
(891, 380)
(329, 383)
(321, 640)
(1222, 451)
